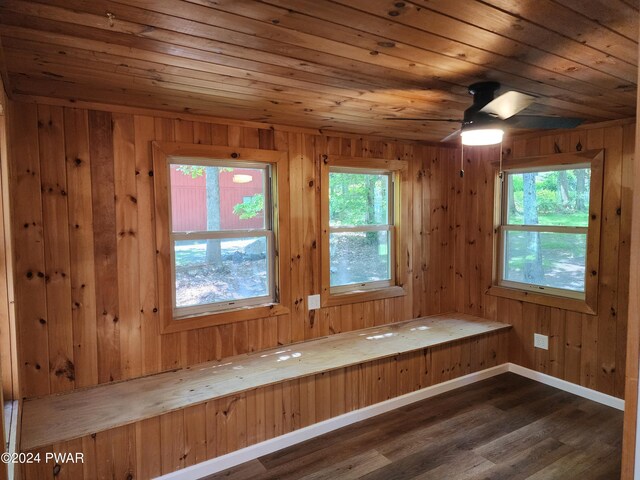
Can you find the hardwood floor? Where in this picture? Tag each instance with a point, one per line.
(506, 427)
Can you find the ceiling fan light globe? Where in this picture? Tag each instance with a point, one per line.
(482, 136)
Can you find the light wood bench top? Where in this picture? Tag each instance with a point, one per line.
(62, 417)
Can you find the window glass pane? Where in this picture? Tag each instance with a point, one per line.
(359, 257)
(209, 271)
(216, 198)
(549, 259)
(559, 197)
(358, 199)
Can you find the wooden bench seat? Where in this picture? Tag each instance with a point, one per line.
(62, 417)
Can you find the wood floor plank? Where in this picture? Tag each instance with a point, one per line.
(506, 427)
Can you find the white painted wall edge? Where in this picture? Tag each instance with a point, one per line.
(579, 390)
(218, 464)
(252, 452)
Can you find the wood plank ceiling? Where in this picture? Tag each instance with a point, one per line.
(334, 65)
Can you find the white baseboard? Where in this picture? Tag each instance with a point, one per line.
(579, 390)
(218, 464)
(252, 452)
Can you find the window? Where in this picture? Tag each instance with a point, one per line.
(548, 226)
(217, 223)
(222, 246)
(361, 229)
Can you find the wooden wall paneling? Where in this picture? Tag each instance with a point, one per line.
(632, 366)
(334, 319)
(148, 448)
(211, 428)
(195, 435)
(115, 453)
(68, 470)
(451, 173)
(312, 147)
(542, 320)
(323, 396)
(557, 342)
(123, 446)
(172, 437)
(30, 290)
(296, 221)
(128, 282)
(460, 207)
(8, 349)
(378, 312)
(337, 392)
(255, 416)
(438, 216)
(608, 275)
(352, 398)
(626, 202)
(573, 350)
(55, 221)
(105, 246)
(418, 176)
(307, 400)
(89, 467)
(280, 142)
(144, 133)
(287, 407)
(81, 247)
(473, 180)
(235, 420)
(294, 393)
(426, 368)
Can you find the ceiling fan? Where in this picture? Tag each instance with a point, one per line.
(486, 119)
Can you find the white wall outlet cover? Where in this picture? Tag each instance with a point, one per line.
(541, 341)
(313, 302)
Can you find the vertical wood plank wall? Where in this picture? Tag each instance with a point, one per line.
(588, 350)
(7, 321)
(82, 191)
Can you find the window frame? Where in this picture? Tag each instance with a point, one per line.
(227, 312)
(542, 295)
(398, 205)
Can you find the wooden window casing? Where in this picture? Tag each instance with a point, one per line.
(398, 204)
(586, 302)
(278, 223)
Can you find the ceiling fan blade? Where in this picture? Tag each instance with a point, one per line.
(534, 121)
(508, 104)
(426, 119)
(451, 136)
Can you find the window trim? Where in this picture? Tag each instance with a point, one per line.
(399, 203)
(279, 193)
(587, 303)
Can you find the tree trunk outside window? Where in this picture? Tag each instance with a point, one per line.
(533, 263)
(212, 175)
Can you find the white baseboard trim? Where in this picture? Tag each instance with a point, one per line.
(218, 464)
(209, 467)
(579, 390)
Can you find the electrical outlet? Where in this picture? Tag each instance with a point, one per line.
(541, 341)
(313, 302)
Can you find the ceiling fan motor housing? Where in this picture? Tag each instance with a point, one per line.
(483, 93)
